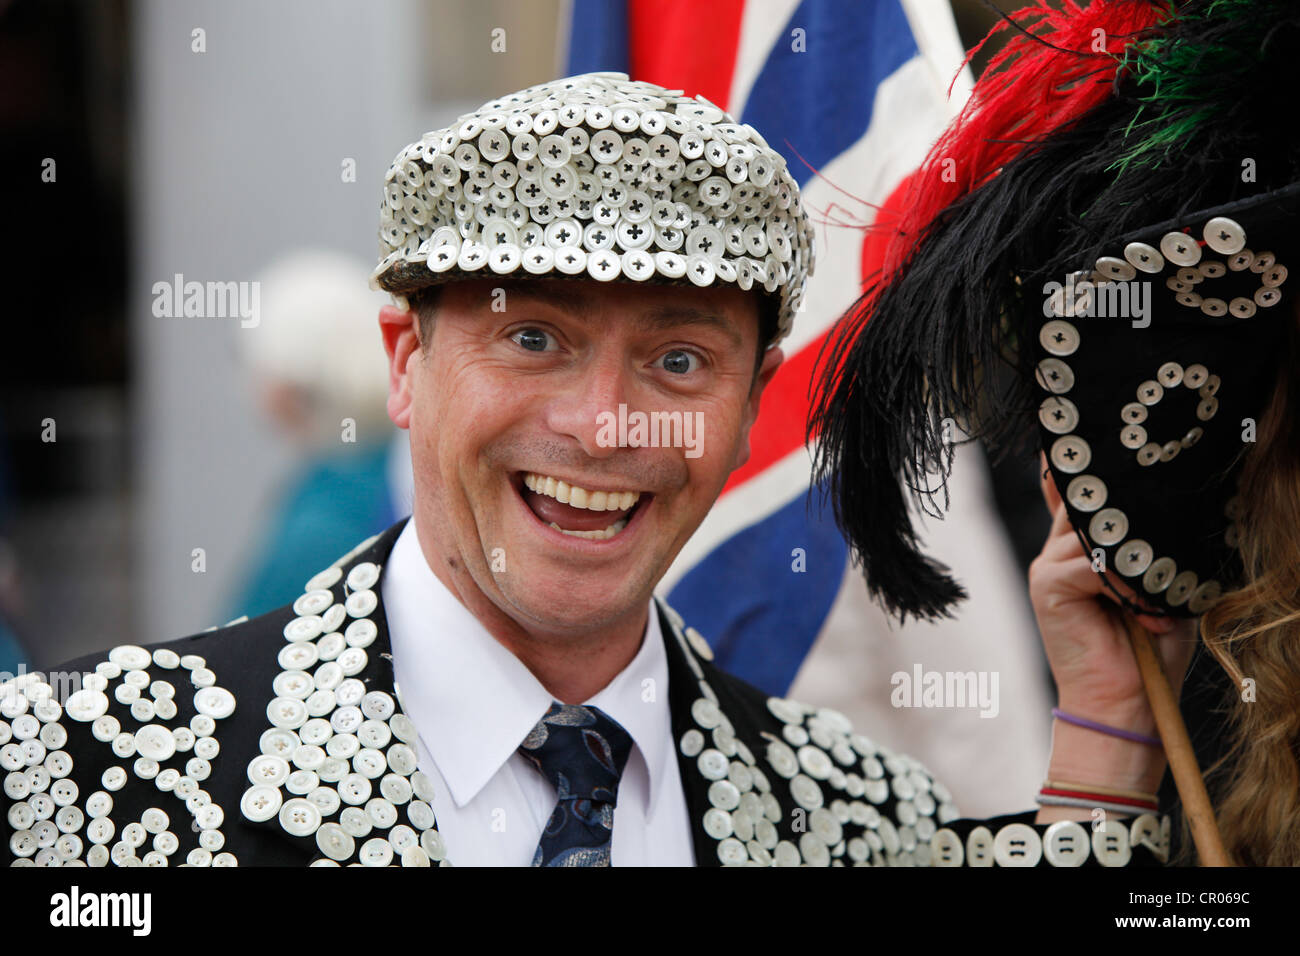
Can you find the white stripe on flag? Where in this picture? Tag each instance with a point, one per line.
(906, 119)
(762, 26)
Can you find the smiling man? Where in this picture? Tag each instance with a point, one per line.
(493, 682)
(550, 535)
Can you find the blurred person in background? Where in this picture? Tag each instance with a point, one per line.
(319, 376)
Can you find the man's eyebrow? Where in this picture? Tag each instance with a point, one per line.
(557, 296)
(572, 300)
(671, 315)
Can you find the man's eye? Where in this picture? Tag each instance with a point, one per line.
(535, 340)
(680, 362)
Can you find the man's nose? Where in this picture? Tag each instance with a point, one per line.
(588, 408)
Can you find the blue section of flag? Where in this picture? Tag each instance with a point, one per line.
(758, 612)
(814, 96)
(598, 40)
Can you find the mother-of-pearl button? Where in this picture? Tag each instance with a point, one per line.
(1181, 588)
(105, 728)
(313, 602)
(280, 742)
(352, 661)
(86, 705)
(349, 692)
(326, 800)
(305, 628)
(1058, 414)
(370, 763)
(330, 646)
(100, 830)
(376, 852)
(1108, 526)
(319, 703)
(155, 742)
(1133, 557)
(287, 712)
(403, 728)
(268, 770)
(1144, 257)
(342, 746)
(297, 657)
(1180, 249)
(1055, 376)
(130, 657)
(99, 804)
(346, 720)
(166, 659)
(293, 684)
(395, 788)
(377, 705)
(214, 702)
(327, 578)
(1224, 236)
(713, 764)
(361, 603)
(333, 619)
(363, 576)
(402, 759)
(1071, 454)
(361, 633)
(1086, 493)
(302, 782)
(209, 817)
(1065, 843)
(354, 821)
(335, 842)
(354, 789)
(381, 812)
(374, 734)
(299, 817)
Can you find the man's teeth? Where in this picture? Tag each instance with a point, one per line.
(601, 535)
(576, 497)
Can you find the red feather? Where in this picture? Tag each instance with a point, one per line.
(1058, 65)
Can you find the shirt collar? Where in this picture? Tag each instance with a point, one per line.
(447, 665)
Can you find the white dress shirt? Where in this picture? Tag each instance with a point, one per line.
(473, 702)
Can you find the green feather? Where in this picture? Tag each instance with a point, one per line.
(1189, 75)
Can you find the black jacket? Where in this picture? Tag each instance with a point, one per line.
(766, 780)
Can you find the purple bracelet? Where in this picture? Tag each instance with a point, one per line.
(1105, 729)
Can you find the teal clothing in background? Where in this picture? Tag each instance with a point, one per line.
(327, 509)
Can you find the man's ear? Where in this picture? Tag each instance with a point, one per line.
(402, 343)
(772, 360)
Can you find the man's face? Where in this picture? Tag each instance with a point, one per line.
(529, 394)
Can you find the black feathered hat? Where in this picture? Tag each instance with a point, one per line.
(1112, 215)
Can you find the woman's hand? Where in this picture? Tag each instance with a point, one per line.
(1092, 660)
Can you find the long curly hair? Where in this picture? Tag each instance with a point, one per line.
(1254, 633)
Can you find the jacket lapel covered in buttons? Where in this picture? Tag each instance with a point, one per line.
(337, 771)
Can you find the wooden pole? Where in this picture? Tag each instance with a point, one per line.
(1178, 748)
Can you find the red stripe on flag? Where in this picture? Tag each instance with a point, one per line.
(686, 45)
(783, 414)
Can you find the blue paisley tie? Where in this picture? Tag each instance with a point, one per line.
(582, 752)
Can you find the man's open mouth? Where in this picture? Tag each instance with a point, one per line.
(580, 512)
